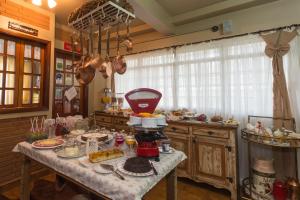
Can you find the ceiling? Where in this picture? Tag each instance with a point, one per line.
(165, 16)
(175, 7)
(168, 16)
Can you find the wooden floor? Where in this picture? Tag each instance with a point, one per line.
(187, 190)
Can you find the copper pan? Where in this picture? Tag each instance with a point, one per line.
(85, 73)
(119, 64)
(97, 60)
(107, 63)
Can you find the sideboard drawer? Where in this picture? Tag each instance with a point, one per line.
(211, 132)
(121, 121)
(177, 129)
(105, 119)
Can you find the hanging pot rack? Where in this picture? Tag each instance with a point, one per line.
(106, 14)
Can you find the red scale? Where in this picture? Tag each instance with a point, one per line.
(145, 100)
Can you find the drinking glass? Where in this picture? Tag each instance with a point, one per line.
(130, 141)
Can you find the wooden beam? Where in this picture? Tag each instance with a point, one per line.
(216, 9)
(153, 14)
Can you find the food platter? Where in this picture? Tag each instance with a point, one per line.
(48, 143)
(120, 167)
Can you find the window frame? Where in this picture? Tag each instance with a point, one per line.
(21, 40)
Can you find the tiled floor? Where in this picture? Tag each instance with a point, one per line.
(187, 190)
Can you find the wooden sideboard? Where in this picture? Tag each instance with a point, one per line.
(211, 150)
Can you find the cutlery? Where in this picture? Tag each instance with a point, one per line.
(111, 168)
(153, 168)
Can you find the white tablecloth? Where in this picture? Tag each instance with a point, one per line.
(133, 188)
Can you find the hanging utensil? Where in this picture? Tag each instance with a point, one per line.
(97, 60)
(106, 66)
(127, 40)
(86, 73)
(119, 64)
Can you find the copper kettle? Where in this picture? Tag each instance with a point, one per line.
(293, 187)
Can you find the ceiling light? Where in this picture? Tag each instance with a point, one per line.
(51, 3)
(37, 2)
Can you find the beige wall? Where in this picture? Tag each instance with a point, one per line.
(276, 14)
(44, 34)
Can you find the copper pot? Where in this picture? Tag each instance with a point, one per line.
(293, 188)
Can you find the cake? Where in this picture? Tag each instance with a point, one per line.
(99, 136)
(105, 155)
(137, 165)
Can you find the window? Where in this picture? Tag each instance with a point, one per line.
(231, 77)
(22, 79)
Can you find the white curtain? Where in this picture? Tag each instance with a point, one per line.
(229, 77)
(150, 70)
(292, 72)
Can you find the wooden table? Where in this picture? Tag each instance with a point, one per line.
(171, 178)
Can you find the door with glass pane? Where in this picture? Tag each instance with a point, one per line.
(64, 79)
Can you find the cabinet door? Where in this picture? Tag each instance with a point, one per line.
(182, 143)
(210, 163)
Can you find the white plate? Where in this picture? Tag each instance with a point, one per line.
(120, 167)
(101, 170)
(49, 147)
(166, 152)
(110, 138)
(84, 161)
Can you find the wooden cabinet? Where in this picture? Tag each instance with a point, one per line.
(182, 143)
(211, 150)
(210, 161)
